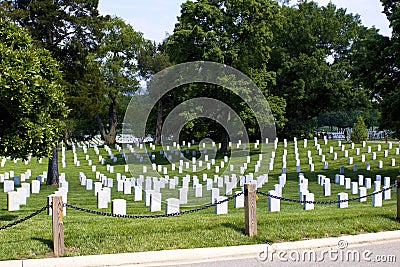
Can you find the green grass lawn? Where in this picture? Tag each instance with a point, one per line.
(87, 233)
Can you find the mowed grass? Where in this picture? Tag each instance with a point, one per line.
(87, 233)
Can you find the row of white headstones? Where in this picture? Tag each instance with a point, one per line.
(195, 165)
(356, 188)
(229, 185)
(319, 151)
(151, 188)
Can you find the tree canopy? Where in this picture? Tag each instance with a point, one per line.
(235, 33)
(310, 56)
(31, 97)
(116, 60)
(315, 64)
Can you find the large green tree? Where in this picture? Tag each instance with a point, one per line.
(116, 59)
(390, 95)
(153, 59)
(65, 28)
(32, 103)
(310, 56)
(376, 67)
(233, 32)
(69, 30)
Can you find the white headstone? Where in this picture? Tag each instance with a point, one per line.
(228, 188)
(97, 187)
(89, 184)
(377, 199)
(35, 186)
(342, 197)
(155, 201)
(127, 188)
(368, 183)
(377, 186)
(350, 160)
(327, 187)
(347, 183)
(147, 197)
(118, 206)
(8, 186)
(239, 200)
(380, 164)
(214, 194)
(172, 205)
(354, 188)
(138, 196)
(198, 190)
(360, 180)
(110, 182)
(386, 181)
(13, 200)
(156, 186)
(221, 208)
(22, 195)
(274, 204)
(387, 192)
(209, 184)
(120, 185)
(27, 187)
(102, 199)
(306, 198)
(362, 191)
(183, 195)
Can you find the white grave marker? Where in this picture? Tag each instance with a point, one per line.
(118, 206)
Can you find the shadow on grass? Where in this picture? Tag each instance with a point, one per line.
(234, 227)
(8, 217)
(391, 217)
(47, 242)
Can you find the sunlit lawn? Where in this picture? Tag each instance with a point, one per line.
(87, 233)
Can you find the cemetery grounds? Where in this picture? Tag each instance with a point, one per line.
(88, 233)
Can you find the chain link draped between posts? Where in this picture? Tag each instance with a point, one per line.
(135, 216)
(326, 202)
(25, 218)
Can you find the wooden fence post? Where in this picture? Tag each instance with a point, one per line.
(398, 198)
(250, 209)
(58, 227)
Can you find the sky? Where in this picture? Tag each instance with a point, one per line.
(157, 18)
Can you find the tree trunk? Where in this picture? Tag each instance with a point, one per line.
(101, 127)
(224, 142)
(112, 118)
(52, 170)
(66, 136)
(159, 122)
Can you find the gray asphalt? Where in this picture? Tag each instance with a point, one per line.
(385, 254)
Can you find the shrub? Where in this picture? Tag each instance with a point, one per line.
(359, 132)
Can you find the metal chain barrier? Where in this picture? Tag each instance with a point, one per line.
(134, 216)
(25, 218)
(326, 202)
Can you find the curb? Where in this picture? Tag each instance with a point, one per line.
(171, 257)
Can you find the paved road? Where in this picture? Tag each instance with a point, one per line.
(385, 254)
(373, 249)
